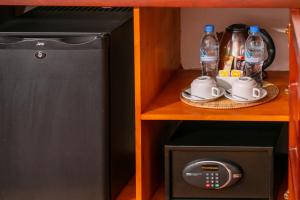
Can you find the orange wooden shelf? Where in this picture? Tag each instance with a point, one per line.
(161, 3)
(167, 105)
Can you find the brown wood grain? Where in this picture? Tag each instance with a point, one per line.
(167, 106)
(154, 135)
(161, 3)
(294, 174)
(293, 90)
(291, 193)
(294, 102)
(159, 50)
(157, 57)
(137, 91)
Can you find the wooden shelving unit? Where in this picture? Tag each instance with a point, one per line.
(159, 80)
(167, 105)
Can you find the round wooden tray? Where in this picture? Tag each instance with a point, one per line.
(224, 103)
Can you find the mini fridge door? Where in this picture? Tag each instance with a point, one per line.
(54, 111)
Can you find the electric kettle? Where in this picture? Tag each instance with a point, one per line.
(232, 47)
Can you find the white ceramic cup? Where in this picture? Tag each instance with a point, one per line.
(245, 88)
(204, 87)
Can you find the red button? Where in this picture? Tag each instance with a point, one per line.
(207, 185)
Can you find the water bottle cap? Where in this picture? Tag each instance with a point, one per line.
(209, 28)
(254, 29)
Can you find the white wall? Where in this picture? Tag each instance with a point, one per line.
(193, 21)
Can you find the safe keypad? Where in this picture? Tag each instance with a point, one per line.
(212, 180)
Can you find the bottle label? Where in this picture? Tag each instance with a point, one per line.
(252, 60)
(249, 57)
(207, 58)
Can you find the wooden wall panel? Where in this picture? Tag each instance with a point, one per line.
(154, 136)
(157, 58)
(159, 31)
(162, 3)
(290, 193)
(294, 134)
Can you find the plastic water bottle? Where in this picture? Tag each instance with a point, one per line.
(254, 54)
(209, 52)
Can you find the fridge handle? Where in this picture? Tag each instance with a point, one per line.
(70, 40)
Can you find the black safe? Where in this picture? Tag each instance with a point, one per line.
(221, 160)
(66, 104)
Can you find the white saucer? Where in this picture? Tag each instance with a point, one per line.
(240, 100)
(186, 94)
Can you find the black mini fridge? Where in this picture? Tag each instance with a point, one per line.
(66, 104)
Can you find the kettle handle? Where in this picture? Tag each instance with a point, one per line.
(270, 48)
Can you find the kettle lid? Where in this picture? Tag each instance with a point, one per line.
(237, 28)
